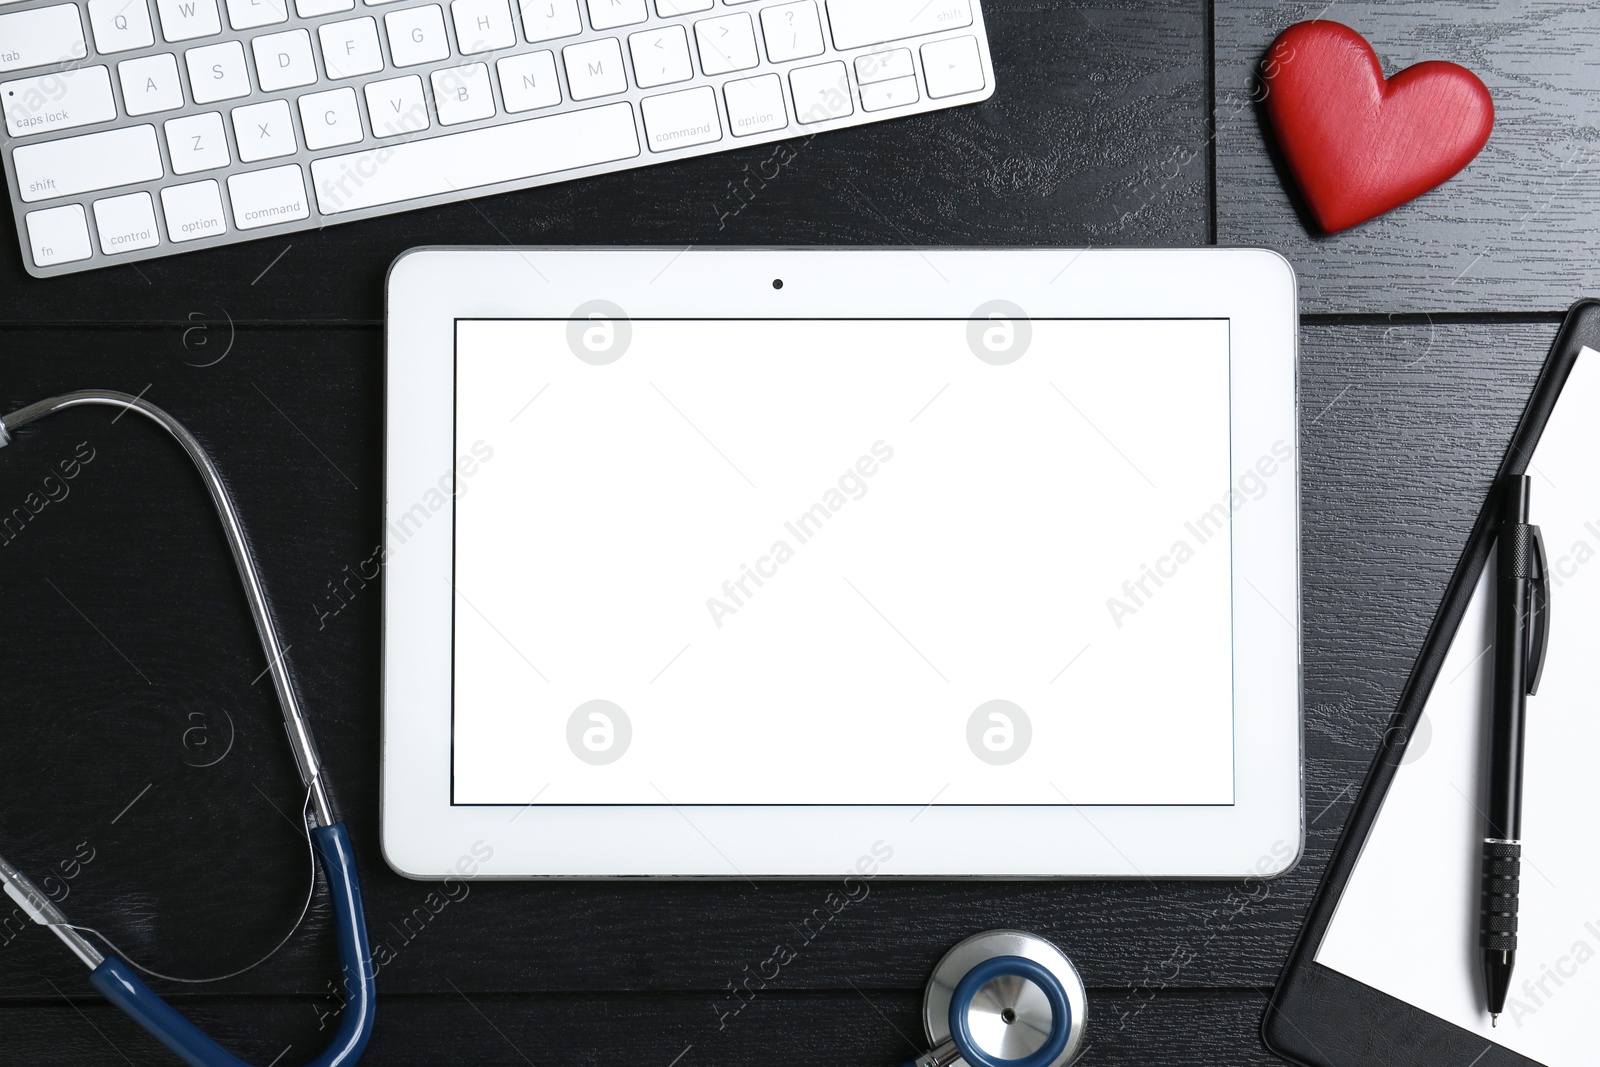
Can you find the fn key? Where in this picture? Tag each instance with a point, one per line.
(59, 235)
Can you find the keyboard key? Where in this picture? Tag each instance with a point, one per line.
(397, 106)
(594, 68)
(87, 163)
(330, 119)
(681, 119)
(61, 101)
(793, 31)
(59, 235)
(417, 35)
(896, 92)
(476, 158)
(545, 20)
(529, 81)
(462, 94)
(150, 84)
(248, 14)
(218, 72)
(196, 143)
(726, 44)
(821, 92)
(609, 14)
(120, 25)
(482, 25)
(283, 60)
(350, 49)
(264, 197)
(263, 131)
(184, 20)
(40, 36)
(126, 223)
(661, 56)
(755, 105)
(193, 211)
(953, 67)
(281, 108)
(862, 22)
(885, 66)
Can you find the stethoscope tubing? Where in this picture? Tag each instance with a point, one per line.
(118, 983)
(113, 977)
(300, 741)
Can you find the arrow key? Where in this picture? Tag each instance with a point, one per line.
(821, 92)
(953, 67)
(897, 92)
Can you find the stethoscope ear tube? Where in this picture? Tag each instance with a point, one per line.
(117, 982)
(111, 976)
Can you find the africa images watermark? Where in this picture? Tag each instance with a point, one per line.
(1251, 486)
(853, 890)
(1222, 919)
(852, 485)
(56, 885)
(53, 488)
(454, 889)
(1536, 992)
(452, 484)
(833, 103)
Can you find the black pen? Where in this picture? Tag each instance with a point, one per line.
(1521, 634)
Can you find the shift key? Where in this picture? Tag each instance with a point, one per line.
(74, 165)
(61, 101)
(862, 22)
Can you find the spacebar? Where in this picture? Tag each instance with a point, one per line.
(486, 156)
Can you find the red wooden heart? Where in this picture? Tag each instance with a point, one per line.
(1358, 145)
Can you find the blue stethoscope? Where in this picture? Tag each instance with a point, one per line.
(1003, 998)
(117, 981)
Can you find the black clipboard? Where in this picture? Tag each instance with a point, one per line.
(1322, 1018)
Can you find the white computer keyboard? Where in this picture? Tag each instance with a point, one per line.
(141, 128)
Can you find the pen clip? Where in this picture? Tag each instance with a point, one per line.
(1539, 611)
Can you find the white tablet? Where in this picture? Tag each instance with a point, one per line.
(741, 563)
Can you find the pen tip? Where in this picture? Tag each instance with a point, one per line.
(1494, 1018)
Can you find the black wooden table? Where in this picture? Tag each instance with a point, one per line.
(127, 665)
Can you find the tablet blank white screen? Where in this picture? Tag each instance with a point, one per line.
(798, 560)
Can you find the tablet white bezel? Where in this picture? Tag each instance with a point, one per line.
(425, 836)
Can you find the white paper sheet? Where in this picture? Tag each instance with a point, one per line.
(1407, 923)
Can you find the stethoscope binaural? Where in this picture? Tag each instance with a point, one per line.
(114, 978)
(1003, 998)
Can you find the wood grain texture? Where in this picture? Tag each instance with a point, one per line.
(135, 638)
(130, 665)
(1076, 147)
(1510, 233)
(778, 1029)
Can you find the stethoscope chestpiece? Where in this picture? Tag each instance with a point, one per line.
(1004, 998)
